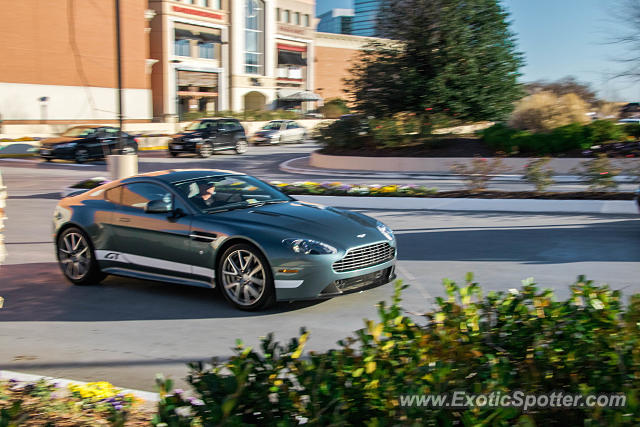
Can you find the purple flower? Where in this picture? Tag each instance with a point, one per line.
(118, 407)
(344, 187)
(326, 185)
(178, 391)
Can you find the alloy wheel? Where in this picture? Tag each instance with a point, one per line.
(75, 256)
(241, 147)
(243, 277)
(206, 150)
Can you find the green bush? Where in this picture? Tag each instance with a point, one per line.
(334, 108)
(632, 129)
(574, 136)
(601, 131)
(495, 343)
(500, 137)
(350, 132)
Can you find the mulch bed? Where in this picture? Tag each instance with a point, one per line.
(492, 194)
(464, 146)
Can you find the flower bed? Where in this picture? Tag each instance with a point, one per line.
(342, 189)
(44, 403)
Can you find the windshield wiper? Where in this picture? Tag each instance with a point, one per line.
(268, 202)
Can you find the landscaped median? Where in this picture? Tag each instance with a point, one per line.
(555, 362)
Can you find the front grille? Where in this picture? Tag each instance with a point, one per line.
(364, 257)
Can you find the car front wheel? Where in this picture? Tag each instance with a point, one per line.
(81, 155)
(245, 279)
(76, 258)
(241, 146)
(205, 150)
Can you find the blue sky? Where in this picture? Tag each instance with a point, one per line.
(561, 38)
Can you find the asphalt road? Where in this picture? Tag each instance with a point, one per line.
(125, 330)
(264, 161)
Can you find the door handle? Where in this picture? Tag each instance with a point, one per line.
(125, 220)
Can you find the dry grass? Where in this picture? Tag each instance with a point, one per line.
(544, 111)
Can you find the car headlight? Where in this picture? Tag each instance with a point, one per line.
(386, 231)
(309, 247)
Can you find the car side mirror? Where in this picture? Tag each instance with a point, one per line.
(158, 206)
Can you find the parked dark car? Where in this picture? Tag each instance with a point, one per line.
(84, 143)
(204, 136)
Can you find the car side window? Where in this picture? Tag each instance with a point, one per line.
(114, 195)
(228, 125)
(137, 195)
(110, 132)
(292, 125)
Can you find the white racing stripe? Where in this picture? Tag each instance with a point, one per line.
(154, 262)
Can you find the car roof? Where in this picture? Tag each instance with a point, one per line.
(171, 176)
(204, 119)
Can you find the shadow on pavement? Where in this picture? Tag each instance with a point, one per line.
(614, 241)
(39, 292)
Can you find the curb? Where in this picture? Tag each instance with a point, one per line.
(559, 179)
(147, 396)
(538, 206)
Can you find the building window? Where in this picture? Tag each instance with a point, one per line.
(205, 50)
(182, 47)
(306, 20)
(254, 36)
(287, 16)
(205, 3)
(278, 14)
(216, 4)
(296, 17)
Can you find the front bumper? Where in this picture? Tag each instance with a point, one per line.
(56, 153)
(318, 280)
(180, 146)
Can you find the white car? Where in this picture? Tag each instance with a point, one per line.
(280, 131)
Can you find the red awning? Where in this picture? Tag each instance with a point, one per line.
(292, 48)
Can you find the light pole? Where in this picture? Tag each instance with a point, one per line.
(119, 65)
(120, 165)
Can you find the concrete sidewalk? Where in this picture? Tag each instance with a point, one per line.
(437, 168)
(606, 207)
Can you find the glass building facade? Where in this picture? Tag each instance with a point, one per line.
(365, 18)
(337, 21)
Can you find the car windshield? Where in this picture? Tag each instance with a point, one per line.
(221, 193)
(272, 126)
(79, 132)
(197, 125)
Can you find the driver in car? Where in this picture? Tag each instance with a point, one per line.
(207, 193)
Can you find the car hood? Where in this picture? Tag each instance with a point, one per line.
(58, 140)
(338, 227)
(189, 134)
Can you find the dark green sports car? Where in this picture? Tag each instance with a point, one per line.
(220, 229)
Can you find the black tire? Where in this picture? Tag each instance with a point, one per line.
(47, 159)
(241, 146)
(205, 150)
(93, 275)
(266, 295)
(81, 155)
(173, 154)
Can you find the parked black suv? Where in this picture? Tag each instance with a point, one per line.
(205, 136)
(84, 143)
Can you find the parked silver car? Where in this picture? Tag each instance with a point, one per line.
(280, 131)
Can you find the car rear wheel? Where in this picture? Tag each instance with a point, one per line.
(205, 150)
(128, 149)
(245, 279)
(76, 258)
(173, 154)
(241, 146)
(81, 155)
